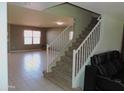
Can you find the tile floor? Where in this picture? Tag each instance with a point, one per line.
(25, 72)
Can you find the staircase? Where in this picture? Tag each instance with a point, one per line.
(61, 73)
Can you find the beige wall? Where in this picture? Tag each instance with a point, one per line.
(52, 33)
(110, 39)
(111, 34)
(16, 39)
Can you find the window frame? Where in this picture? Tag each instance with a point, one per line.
(32, 37)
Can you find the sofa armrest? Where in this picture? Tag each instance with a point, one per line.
(105, 83)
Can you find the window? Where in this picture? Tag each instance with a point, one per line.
(36, 37)
(27, 37)
(31, 37)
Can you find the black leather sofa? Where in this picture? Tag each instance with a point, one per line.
(106, 72)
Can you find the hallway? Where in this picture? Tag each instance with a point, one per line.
(25, 72)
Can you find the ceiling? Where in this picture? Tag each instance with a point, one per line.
(35, 5)
(115, 9)
(30, 17)
(23, 15)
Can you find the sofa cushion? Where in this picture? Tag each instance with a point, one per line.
(101, 70)
(107, 69)
(98, 59)
(118, 65)
(119, 75)
(110, 68)
(105, 57)
(106, 84)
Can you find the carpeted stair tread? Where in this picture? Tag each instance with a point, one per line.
(63, 69)
(69, 74)
(69, 53)
(66, 60)
(62, 62)
(62, 75)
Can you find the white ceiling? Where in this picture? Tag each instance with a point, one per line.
(28, 17)
(35, 5)
(110, 8)
(116, 9)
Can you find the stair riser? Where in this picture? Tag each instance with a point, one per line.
(76, 43)
(66, 69)
(65, 66)
(63, 70)
(80, 39)
(67, 79)
(68, 52)
(66, 62)
(61, 63)
(66, 58)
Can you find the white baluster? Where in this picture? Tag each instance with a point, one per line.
(55, 47)
(47, 56)
(82, 53)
